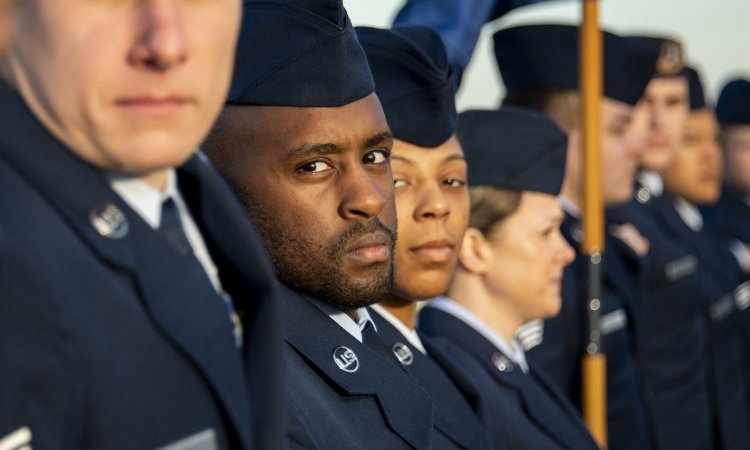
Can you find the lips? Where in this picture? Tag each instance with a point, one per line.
(153, 104)
(370, 248)
(438, 251)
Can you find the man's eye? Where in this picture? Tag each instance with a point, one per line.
(315, 167)
(453, 182)
(375, 157)
(399, 183)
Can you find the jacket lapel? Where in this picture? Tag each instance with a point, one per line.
(247, 276)
(453, 417)
(535, 400)
(405, 405)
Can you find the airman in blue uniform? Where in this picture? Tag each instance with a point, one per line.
(414, 83)
(510, 268)
(138, 308)
(305, 145)
(693, 179)
(539, 67)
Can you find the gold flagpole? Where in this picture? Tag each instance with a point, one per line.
(594, 373)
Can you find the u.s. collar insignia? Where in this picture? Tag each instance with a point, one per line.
(643, 196)
(108, 220)
(670, 60)
(502, 362)
(403, 353)
(345, 358)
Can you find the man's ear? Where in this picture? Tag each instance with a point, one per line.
(475, 252)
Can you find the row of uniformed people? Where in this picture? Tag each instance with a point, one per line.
(139, 309)
(303, 140)
(672, 294)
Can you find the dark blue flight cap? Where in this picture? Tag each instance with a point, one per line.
(413, 82)
(545, 57)
(298, 53)
(667, 53)
(734, 102)
(697, 96)
(515, 148)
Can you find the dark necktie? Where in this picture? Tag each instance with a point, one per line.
(171, 227)
(371, 339)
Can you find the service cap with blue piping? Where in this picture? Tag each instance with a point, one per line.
(667, 52)
(515, 148)
(413, 82)
(298, 53)
(545, 57)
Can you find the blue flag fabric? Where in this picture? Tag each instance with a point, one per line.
(458, 22)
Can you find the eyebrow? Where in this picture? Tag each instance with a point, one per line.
(383, 137)
(411, 162)
(329, 148)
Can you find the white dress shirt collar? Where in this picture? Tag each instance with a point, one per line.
(409, 335)
(652, 181)
(689, 214)
(345, 321)
(512, 350)
(144, 198)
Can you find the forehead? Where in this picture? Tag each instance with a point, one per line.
(408, 155)
(660, 87)
(615, 110)
(292, 127)
(703, 121)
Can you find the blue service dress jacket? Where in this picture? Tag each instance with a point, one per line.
(726, 356)
(519, 410)
(561, 351)
(729, 221)
(109, 338)
(672, 335)
(456, 425)
(342, 393)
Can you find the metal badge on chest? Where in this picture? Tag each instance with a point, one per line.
(403, 353)
(345, 359)
(109, 221)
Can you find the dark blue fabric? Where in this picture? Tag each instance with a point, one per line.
(456, 425)
(697, 96)
(520, 411)
(380, 405)
(514, 148)
(734, 102)
(672, 336)
(545, 57)
(565, 336)
(718, 272)
(123, 343)
(413, 82)
(457, 22)
(298, 53)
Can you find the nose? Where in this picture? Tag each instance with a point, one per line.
(432, 203)
(160, 43)
(363, 194)
(565, 253)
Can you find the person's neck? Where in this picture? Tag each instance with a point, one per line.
(403, 310)
(571, 194)
(472, 295)
(156, 179)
